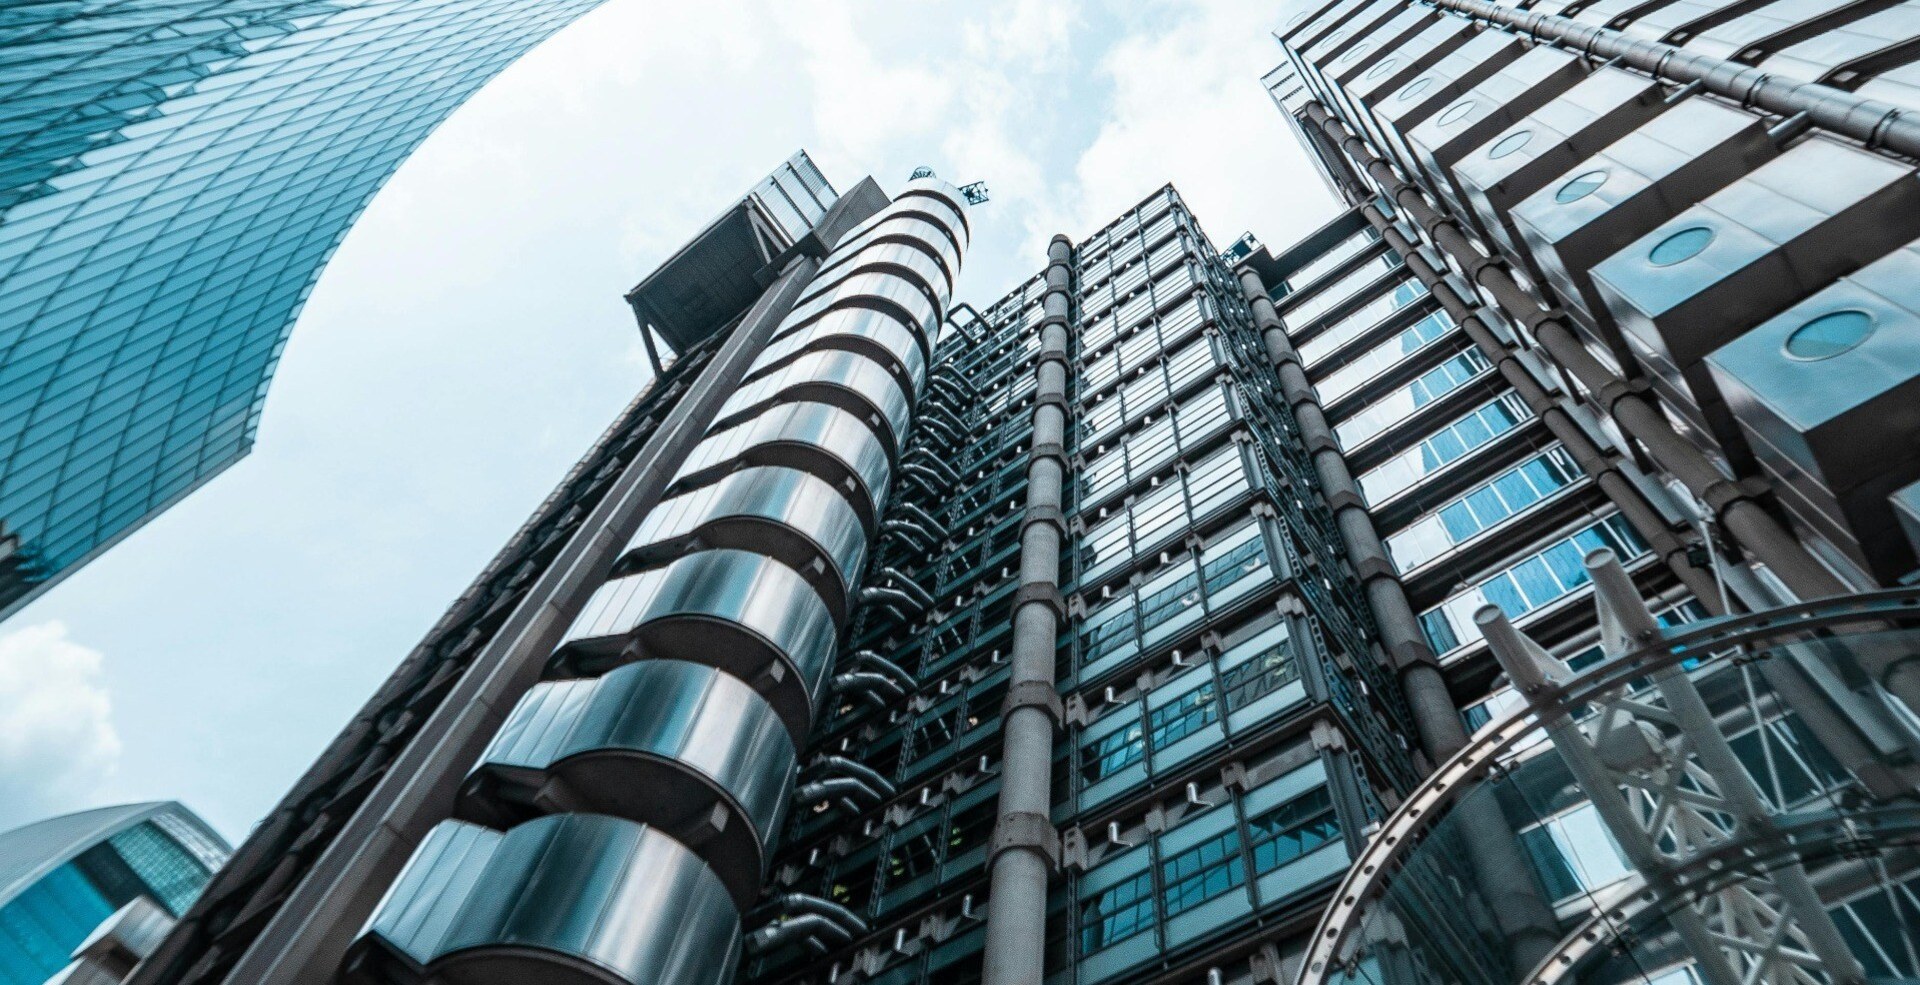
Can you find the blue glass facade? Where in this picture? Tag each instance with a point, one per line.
(60, 878)
(175, 174)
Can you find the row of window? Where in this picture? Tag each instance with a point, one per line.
(1401, 295)
(1471, 431)
(1101, 415)
(1543, 577)
(1382, 357)
(1483, 506)
(1131, 459)
(1147, 344)
(1174, 598)
(1392, 408)
(1324, 263)
(1217, 866)
(1161, 516)
(1211, 700)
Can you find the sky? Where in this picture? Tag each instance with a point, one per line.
(468, 341)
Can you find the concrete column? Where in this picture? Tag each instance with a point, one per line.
(1026, 849)
(1735, 505)
(1493, 853)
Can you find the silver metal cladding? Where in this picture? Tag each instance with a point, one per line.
(680, 746)
(739, 611)
(787, 514)
(572, 899)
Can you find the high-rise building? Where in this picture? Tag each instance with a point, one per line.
(173, 176)
(1372, 609)
(1617, 339)
(63, 877)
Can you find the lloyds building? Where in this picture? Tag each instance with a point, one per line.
(1503, 583)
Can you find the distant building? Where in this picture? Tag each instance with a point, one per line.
(61, 878)
(173, 176)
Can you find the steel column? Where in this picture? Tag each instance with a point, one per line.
(1498, 865)
(1025, 846)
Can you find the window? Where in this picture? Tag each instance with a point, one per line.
(1237, 561)
(913, 856)
(970, 827)
(1292, 830)
(1113, 752)
(1483, 506)
(1203, 872)
(1449, 444)
(1529, 584)
(1116, 913)
(1162, 605)
(1254, 679)
(1184, 716)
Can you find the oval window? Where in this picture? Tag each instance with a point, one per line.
(1830, 334)
(1683, 245)
(1455, 112)
(1510, 143)
(1416, 87)
(1580, 187)
(1383, 68)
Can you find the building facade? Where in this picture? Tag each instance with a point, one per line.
(1617, 284)
(63, 877)
(175, 176)
(1465, 593)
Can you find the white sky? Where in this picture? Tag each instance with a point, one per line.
(468, 341)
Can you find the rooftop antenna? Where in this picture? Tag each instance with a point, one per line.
(976, 193)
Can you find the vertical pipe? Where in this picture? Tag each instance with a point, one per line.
(1025, 847)
(1498, 864)
(1735, 505)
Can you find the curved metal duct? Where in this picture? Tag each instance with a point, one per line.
(900, 257)
(680, 746)
(883, 290)
(814, 437)
(792, 516)
(875, 334)
(573, 899)
(738, 611)
(849, 381)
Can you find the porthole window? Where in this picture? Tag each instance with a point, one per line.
(1416, 87)
(1510, 143)
(1683, 245)
(1580, 187)
(1355, 52)
(1830, 335)
(1456, 112)
(1385, 66)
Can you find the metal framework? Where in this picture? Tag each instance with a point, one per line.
(1657, 768)
(1731, 859)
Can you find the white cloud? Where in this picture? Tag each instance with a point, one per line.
(1187, 106)
(57, 741)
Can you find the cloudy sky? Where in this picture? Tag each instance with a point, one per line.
(468, 341)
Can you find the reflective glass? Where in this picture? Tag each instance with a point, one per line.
(173, 175)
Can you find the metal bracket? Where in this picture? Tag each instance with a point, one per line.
(1028, 831)
(1038, 513)
(1034, 694)
(1047, 594)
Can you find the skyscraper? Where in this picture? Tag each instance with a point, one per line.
(1617, 340)
(1335, 610)
(176, 173)
(62, 877)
